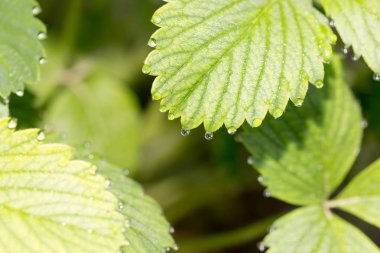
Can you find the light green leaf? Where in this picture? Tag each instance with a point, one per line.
(147, 230)
(362, 196)
(305, 155)
(222, 61)
(358, 22)
(98, 110)
(314, 230)
(49, 203)
(20, 49)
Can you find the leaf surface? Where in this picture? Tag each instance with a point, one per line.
(358, 22)
(49, 203)
(146, 228)
(311, 230)
(20, 48)
(222, 61)
(306, 154)
(362, 196)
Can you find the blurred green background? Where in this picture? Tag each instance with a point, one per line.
(93, 94)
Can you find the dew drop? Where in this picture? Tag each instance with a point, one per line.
(261, 246)
(12, 124)
(272, 229)
(319, 84)
(152, 43)
(376, 77)
(42, 60)
(108, 184)
(209, 136)
(298, 102)
(41, 136)
(36, 10)
(120, 206)
(185, 132)
(20, 93)
(355, 58)
(266, 193)
(171, 116)
(167, 249)
(41, 36)
(332, 23)
(175, 247)
(156, 19)
(364, 123)
(5, 101)
(260, 179)
(346, 50)
(257, 122)
(277, 113)
(146, 69)
(231, 130)
(250, 160)
(171, 230)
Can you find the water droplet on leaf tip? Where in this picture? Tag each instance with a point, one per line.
(346, 50)
(120, 206)
(355, 58)
(261, 246)
(108, 184)
(41, 36)
(42, 60)
(376, 77)
(171, 116)
(20, 93)
(156, 20)
(146, 69)
(12, 124)
(209, 136)
(257, 122)
(232, 130)
(185, 132)
(175, 248)
(36, 10)
(364, 123)
(260, 179)
(298, 102)
(332, 23)
(266, 193)
(41, 136)
(277, 113)
(319, 84)
(171, 230)
(5, 101)
(152, 43)
(250, 160)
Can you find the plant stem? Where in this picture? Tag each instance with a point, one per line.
(228, 239)
(70, 27)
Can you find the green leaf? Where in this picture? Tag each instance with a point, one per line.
(147, 229)
(98, 110)
(314, 230)
(20, 49)
(58, 204)
(358, 22)
(362, 196)
(222, 61)
(305, 155)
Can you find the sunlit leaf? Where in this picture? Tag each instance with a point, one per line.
(20, 49)
(49, 203)
(224, 62)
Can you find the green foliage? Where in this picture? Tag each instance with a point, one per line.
(148, 231)
(98, 110)
(303, 158)
(50, 203)
(313, 229)
(221, 62)
(20, 49)
(358, 22)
